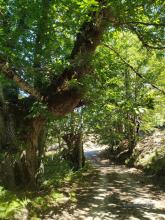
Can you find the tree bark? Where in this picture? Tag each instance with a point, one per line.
(20, 167)
(27, 170)
(7, 143)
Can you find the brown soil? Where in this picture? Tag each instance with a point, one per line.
(114, 192)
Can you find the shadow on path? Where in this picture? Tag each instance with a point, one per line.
(114, 192)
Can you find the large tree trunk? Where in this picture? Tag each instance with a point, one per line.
(27, 169)
(20, 166)
(7, 143)
(34, 151)
(22, 142)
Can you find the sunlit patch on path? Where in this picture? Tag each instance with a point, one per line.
(115, 192)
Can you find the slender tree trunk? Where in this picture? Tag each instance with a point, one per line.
(130, 127)
(74, 153)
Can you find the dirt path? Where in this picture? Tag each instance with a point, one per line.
(115, 192)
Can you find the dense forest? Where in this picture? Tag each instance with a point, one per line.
(70, 72)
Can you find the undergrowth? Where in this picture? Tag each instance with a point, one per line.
(57, 176)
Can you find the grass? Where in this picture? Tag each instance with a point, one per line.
(8, 203)
(153, 162)
(59, 184)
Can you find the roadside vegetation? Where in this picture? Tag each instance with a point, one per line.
(71, 69)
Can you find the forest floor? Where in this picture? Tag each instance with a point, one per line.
(113, 192)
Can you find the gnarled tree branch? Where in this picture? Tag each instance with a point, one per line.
(11, 73)
(88, 38)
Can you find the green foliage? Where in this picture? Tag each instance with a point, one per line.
(38, 37)
(150, 152)
(88, 5)
(118, 97)
(10, 204)
(157, 163)
(37, 40)
(57, 173)
(38, 109)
